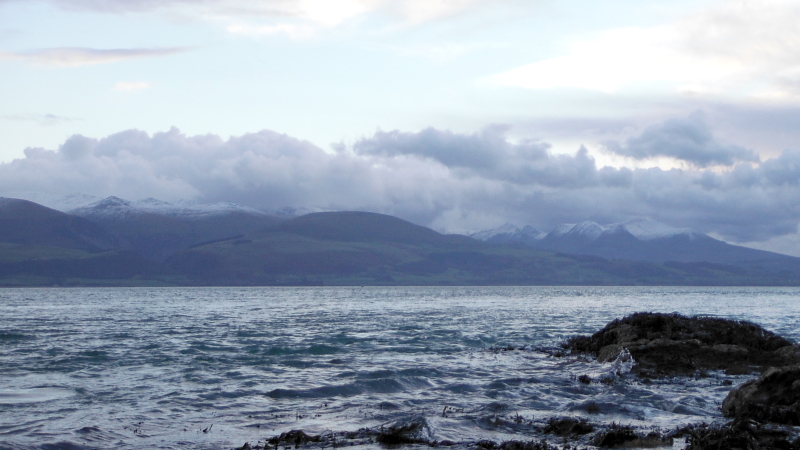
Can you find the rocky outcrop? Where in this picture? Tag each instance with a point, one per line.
(773, 397)
(672, 345)
(738, 435)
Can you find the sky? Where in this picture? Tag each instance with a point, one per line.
(460, 115)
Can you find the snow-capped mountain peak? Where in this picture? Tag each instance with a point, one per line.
(117, 207)
(153, 202)
(509, 233)
(584, 232)
(642, 229)
(110, 203)
(587, 230)
(506, 228)
(59, 202)
(531, 232)
(562, 229)
(647, 229)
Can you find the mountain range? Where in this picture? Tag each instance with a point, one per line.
(156, 229)
(113, 241)
(638, 240)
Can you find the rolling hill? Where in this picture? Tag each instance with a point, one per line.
(155, 229)
(115, 242)
(24, 222)
(42, 246)
(369, 248)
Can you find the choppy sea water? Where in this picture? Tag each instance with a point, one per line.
(152, 368)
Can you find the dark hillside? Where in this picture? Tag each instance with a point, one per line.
(366, 248)
(24, 222)
(356, 226)
(67, 267)
(157, 235)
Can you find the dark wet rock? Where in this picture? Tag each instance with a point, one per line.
(773, 397)
(615, 436)
(622, 436)
(515, 445)
(672, 344)
(294, 437)
(567, 426)
(486, 444)
(585, 379)
(414, 430)
(738, 435)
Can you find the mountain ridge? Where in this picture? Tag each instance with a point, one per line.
(638, 240)
(150, 242)
(26, 222)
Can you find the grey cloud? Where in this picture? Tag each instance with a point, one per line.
(76, 56)
(77, 147)
(487, 154)
(687, 139)
(783, 170)
(478, 151)
(436, 178)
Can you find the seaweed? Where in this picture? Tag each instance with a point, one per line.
(617, 436)
(568, 426)
(738, 435)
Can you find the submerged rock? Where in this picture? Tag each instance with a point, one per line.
(773, 397)
(672, 344)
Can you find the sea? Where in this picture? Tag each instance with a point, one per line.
(215, 368)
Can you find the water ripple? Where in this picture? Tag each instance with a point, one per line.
(153, 368)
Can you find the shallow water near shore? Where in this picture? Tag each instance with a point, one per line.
(155, 367)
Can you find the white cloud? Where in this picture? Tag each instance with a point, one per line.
(332, 13)
(41, 119)
(131, 86)
(745, 47)
(325, 12)
(74, 56)
(617, 59)
(417, 11)
(293, 31)
(445, 51)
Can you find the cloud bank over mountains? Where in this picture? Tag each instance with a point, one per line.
(446, 180)
(687, 140)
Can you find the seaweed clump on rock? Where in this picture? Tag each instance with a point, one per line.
(673, 344)
(294, 437)
(414, 430)
(617, 436)
(738, 435)
(568, 426)
(773, 397)
(516, 445)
